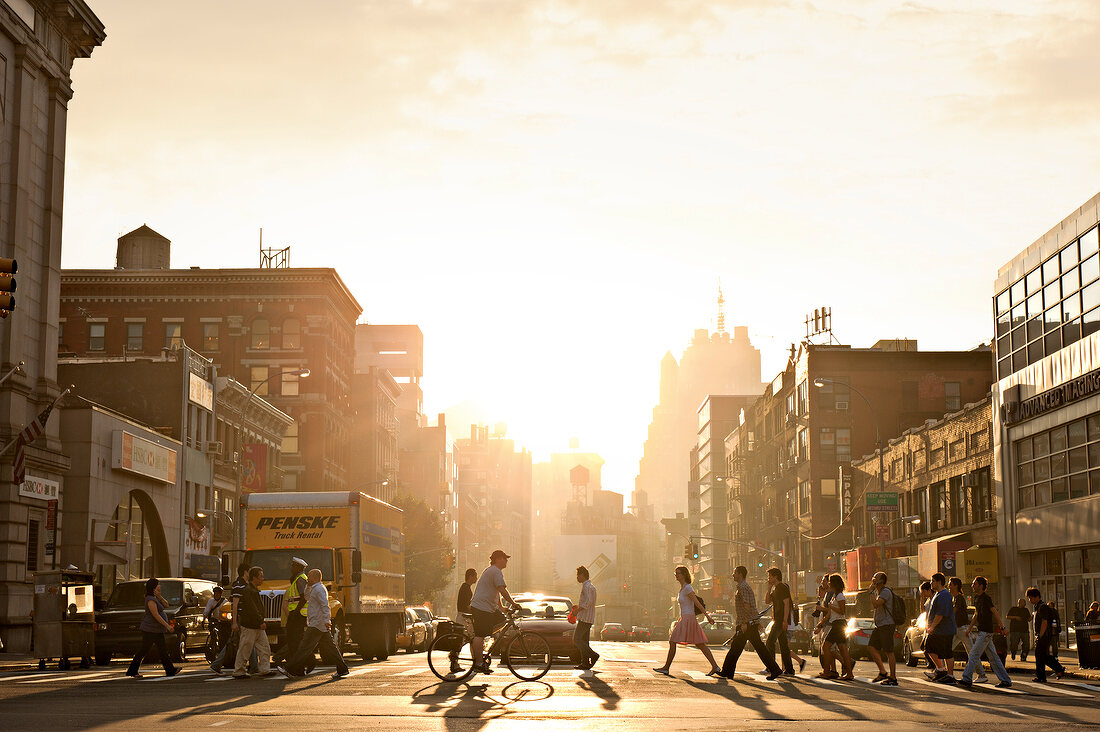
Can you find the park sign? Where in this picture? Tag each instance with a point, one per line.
(884, 501)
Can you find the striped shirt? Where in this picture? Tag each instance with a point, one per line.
(587, 603)
(745, 603)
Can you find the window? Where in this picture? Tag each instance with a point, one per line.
(960, 502)
(259, 376)
(292, 333)
(920, 508)
(290, 381)
(803, 497)
(96, 336)
(940, 504)
(828, 444)
(953, 395)
(60, 334)
(935, 457)
(290, 440)
(135, 336)
(211, 336)
(173, 335)
(32, 546)
(261, 334)
(803, 397)
(843, 445)
(1060, 464)
(803, 444)
(956, 450)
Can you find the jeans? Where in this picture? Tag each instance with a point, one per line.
(148, 640)
(968, 643)
(1044, 659)
(229, 650)
(580, 640)
(312, 639)
(750, 634)
(778, 634)
(253, 638)
(983, 644)
(1022, 640)
(295, 626)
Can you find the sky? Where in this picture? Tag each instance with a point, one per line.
(553, 190)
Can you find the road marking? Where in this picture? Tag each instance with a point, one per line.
(697, 675)
(32, 675)
(72, 677)
(1055, 689)
(219, 678)
(219, 724)
(1088, 686)
(361, 671)
(410, 672)
(819, 680)
(644, 674)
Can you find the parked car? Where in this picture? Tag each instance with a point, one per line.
(718, 632)
(799, 641)
(548, 616)
(428, 617)
(912, 652)
(613, 632)
(117, 630)
(859, 632)
(639, 634)
(415, 636)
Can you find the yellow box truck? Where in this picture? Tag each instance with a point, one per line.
(355, 540)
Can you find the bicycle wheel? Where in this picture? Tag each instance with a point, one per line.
(450, 658)
(528, 656)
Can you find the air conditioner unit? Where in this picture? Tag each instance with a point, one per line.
(841, 406)
(214, 448)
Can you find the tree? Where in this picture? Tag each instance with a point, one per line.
(425, 549)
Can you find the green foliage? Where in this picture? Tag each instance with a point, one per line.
(426, 549)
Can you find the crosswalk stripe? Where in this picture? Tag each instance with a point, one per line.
(643, 674)
(70, 677)
(411, 672)
(33, 675)
(1053, 688)
(696, 675)
(1088, 686)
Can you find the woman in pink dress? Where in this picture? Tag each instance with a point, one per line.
(687, 631)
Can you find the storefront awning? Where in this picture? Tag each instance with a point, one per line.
(938, 555)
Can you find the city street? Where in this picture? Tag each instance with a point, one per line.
(624, 693)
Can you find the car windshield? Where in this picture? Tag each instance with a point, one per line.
(132, 595)
(276, 562)
(613, 626)
(545, 606)
(423, 614)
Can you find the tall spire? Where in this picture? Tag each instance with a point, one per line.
(721, 309)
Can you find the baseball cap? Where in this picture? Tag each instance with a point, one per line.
(499, 553)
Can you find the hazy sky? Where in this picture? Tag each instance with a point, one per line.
(552, 190)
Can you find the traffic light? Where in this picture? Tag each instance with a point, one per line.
(450, 560)
(687, 552)
(8, 268)
(694, 550)
(760, 561)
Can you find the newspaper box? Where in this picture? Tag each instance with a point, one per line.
(64, 617)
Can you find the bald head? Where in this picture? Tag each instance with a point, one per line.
(314, 576)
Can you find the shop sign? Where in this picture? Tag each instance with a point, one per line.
(1016, 410)
(137, 455)
(254, 468)
(200, 391)
(977, 560)
(844, 473)
(40, 488)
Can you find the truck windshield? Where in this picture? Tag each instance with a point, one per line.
(276, 562)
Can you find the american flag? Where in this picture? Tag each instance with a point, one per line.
(29, 434)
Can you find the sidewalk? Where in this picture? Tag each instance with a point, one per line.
(1068, 659)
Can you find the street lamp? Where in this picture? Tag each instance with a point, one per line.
(214, 512)
(914, 520)
(301, 373)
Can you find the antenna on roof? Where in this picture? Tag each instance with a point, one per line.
(721, 309)
(272, 258)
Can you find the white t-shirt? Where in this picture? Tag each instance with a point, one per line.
(687, 605)
(486, 595)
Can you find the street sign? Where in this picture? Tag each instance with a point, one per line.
(844, 489)
(882, 532)
(884, 501)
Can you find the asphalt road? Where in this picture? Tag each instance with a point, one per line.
(623, 693)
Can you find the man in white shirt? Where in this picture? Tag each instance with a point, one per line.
(586, 616)
(486, 607)
(318, 632)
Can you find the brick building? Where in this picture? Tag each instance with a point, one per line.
(256, 325)
(39, 42)
(941, 473)
(785, 459)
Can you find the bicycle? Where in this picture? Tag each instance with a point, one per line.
(526, 654)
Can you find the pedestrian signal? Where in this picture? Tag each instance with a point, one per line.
(8, 268)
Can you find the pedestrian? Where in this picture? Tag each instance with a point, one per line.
(1019, 629)
(940, 633)
(779, 597)
(154, 625)
(821, 611)
(236, 590)
(687, 630)
(1044, 631)
(748, 630)
(925, 605)
(465, 592)
(213, 616)
(1093, 615)
(487, 607)
(586, 616)
(986, 620)
(882, 637)
(835, 643)
(250, 621)
(296, 609)
(962, 622)
(318, 631)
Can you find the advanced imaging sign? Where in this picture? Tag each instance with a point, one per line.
(1016, 410)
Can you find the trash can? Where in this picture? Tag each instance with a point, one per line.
(1088, 644)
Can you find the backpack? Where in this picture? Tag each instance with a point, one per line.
(1055, 621)
(897, 608)
(702, 604)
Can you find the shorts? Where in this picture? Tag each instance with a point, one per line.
(939, 645)
(485, 623)
(882, 638)
(836, 633)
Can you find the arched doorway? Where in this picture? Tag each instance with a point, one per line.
(137, 521)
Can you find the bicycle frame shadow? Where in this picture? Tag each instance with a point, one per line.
(465, 701)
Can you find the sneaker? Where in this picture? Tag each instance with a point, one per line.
(283, 671)
(964, 683)
(1004, 685)
(982, 680)
(455, 668)
(948, 679)
(269, 672)
(339, 675)
(891, 681)
(1037, 680)
(134, 675)
(934, 675)
(595, 658)
(483, 669)
(217, 671)
(773, 676)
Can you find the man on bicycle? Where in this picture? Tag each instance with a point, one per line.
(487, 608)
